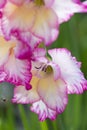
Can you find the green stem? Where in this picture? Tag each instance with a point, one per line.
(44, 125)
(23, 117)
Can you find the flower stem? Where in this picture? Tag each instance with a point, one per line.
(23, 117)
(44, 125)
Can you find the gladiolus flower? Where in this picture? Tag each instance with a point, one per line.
(52, 80)
(13, 69)
(38, 19)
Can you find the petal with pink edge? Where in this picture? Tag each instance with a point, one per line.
(22, 51)
(29, 39)
(39, 52)
(77, 1)
(15, 18)
(18, 71)
(43, 111)
(21, 95)
(70, 70)
(65, 9)
(85, 6)
(53, 93)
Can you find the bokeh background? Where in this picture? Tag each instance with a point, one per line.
(73, 36)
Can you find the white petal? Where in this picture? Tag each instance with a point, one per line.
(21, 95)
(2, 75)
(66, 8)
(53, 93)
(70, 70)
(43, 111)
(46, 23)
(56, 70)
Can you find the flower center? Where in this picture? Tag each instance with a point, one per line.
(42, 70)
(48, 69)
(39, 2)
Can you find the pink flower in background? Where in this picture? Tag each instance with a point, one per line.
(52, 81)
(39, 20)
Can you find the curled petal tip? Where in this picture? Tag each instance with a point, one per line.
(28, 87)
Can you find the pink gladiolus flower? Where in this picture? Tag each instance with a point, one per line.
(52, 81)
(38, 19)
(13, 69)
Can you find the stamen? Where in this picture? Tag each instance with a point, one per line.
(49, 69)
(38, 67)
(39, 2)
(44, 68)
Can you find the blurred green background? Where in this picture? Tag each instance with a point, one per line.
(73, 36)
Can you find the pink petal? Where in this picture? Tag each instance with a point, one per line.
(1, 33)
(23, 51)
(65, 9)
(21, 95)
(43, 111)
(70, 70)
(77, 1)
(39, 52)
(53, 93)
(85, 6)
(17, 2)
(2, 3)
(48, 3)
(5, 28)
(29, 39)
